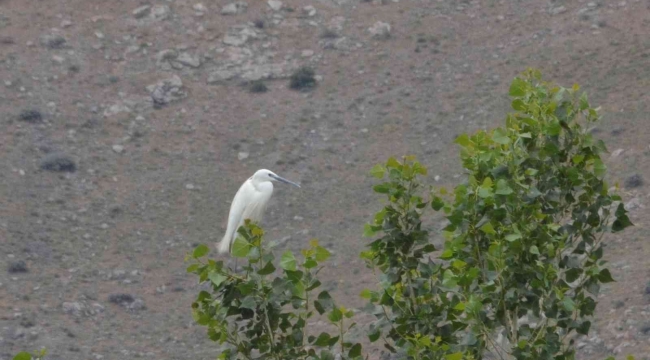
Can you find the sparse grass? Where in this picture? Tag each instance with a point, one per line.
(303, 79)
(257, 87)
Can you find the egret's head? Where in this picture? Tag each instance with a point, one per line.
(268, 175)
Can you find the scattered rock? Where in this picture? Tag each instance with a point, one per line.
(58, 162)
(141, 12)
(166, 91)
(242, 155)
(645, 329)
(616, 153)
(309, 10)
(200, 8)
(160, 12)
(136, 305)
(189, 60)
(53, 41)
(633, 181)
(633, 204)
(30, 116)
(222, 75)
(380, 30)
(235, 8)
(118, 148)
(275, 5)
(307, 53)
(302, 79)
(17, 267)
(557, 10)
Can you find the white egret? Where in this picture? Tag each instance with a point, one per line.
(249, 203)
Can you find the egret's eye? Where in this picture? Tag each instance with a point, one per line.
(270, 175)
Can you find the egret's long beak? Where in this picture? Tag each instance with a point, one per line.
(281, 179)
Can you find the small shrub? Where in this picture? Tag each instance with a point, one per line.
(257, 86)
(302, 79)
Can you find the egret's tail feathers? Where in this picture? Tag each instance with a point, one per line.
(224, 245)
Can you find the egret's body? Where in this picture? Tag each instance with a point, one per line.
(249, 203)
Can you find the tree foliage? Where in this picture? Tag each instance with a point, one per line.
(518, 274)
(263, 316)
(523, 244)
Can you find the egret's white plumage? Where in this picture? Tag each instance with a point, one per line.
(249, 203)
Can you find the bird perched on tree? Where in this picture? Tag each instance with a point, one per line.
(249, 203)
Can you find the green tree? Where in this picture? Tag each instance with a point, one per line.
(523, 240)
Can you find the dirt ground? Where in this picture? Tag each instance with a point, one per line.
(107, 182)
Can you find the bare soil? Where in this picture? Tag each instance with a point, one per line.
(152, 179)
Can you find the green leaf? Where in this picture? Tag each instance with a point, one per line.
(288, 261)
(310, 264)
(368, 231)
(23, 356)
(374, 335)
(622, 221)
(454, 356)
(513, 237)
(366, 294)
(248, 303)
(200, 251)
(192, 268)
(382, 188)
(240, 248)
(378, 171)
(573, 274)
(322, 254)
(355, 351)
(393, 163)
(503, 188)
(500, 136)
(294, 276)
(437, 203)
(522, 344)
(488, 229)
(267, 269)
(216, 278)
(326, 355)
(517, 88)
(323, 339)
(463, 140)
(335, 315)
(534, 250)
(518, 105)
(568, 304)
(599, 167)
(605, 276)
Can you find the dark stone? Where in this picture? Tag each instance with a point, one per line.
(31, 116)
(17, 267)
(121, 299)
(58, 163)
(633, 181)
